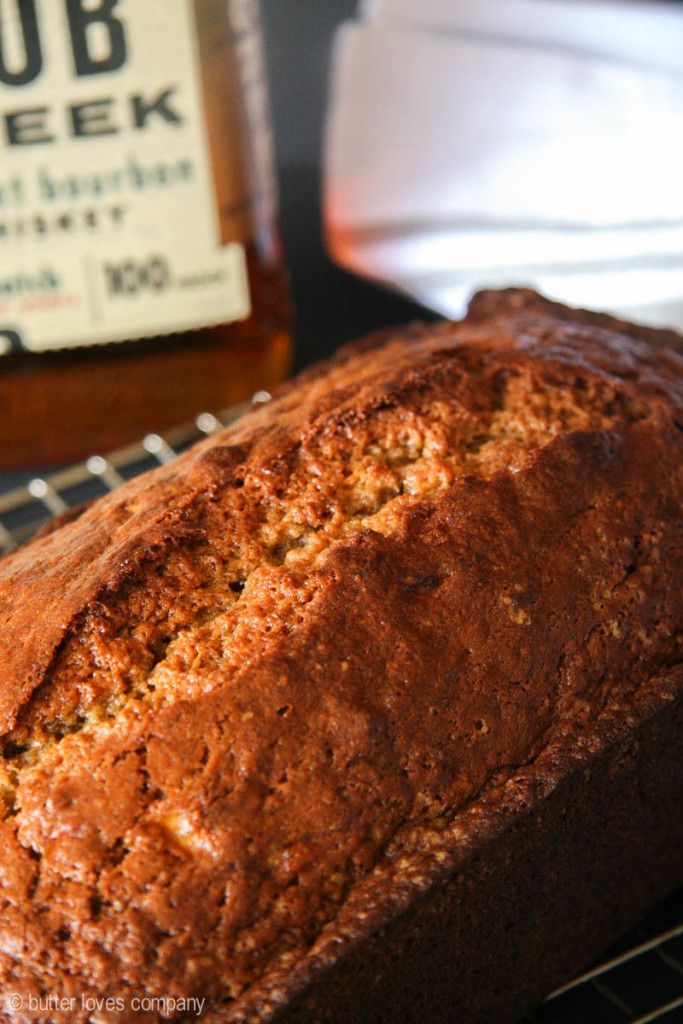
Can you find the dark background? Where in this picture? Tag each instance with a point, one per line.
(331, 305)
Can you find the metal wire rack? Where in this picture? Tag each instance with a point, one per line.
(639, 981)
(25, 509)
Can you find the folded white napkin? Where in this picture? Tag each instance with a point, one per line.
(511, 141)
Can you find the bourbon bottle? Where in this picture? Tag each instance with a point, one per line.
(141, 276)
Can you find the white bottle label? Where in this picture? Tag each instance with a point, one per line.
(109, 222)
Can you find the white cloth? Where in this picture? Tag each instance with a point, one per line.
(489, 142)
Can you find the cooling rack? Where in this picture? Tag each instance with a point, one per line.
(638, 981)
(25, 509)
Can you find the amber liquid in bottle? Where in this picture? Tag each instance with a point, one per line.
(64, 399)
(61, 406)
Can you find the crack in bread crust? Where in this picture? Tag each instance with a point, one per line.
(371, 470)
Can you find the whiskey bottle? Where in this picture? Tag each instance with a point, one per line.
(141, 275)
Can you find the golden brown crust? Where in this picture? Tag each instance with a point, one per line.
(241, 690)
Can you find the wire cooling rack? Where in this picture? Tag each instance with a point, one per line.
(638, 981)
(25, 509)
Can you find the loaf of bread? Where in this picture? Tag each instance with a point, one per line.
(368, 708)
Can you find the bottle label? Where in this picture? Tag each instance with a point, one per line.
(123, 177)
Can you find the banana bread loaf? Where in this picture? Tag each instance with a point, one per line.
(368, 708)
